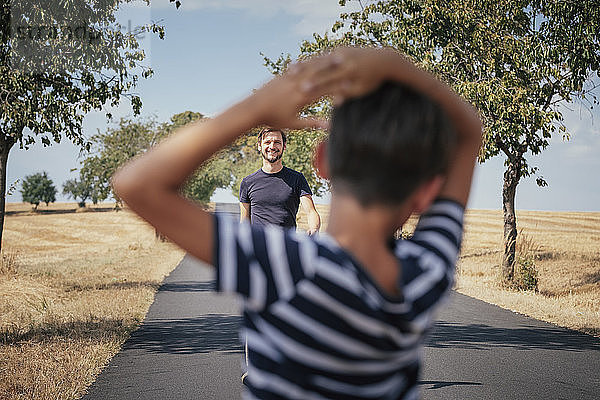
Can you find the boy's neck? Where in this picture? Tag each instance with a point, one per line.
(365, 232)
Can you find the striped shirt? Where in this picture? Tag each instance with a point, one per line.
(318, 326)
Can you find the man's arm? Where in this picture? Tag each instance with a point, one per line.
(314, 220)
(244, 211)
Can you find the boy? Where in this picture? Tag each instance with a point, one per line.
(342, 315)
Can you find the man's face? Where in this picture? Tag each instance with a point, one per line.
(271, 146)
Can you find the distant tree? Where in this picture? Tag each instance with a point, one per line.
(80, 190)
(58, 61)
(129, 138)
(516, 61)
(111, 149)
(38, 188)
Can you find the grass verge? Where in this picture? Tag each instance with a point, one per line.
(73, 285)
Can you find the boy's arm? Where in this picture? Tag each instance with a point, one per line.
(314, 220)
(151, 184)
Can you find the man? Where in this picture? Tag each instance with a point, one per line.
(272, 194)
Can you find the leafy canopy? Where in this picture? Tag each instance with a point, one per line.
(130, 137)
(514, 60)
(60, 60)
(38, 188)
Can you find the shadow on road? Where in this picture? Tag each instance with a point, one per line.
(484, 337)
(207, 286)
(211, 332)
(443, 384)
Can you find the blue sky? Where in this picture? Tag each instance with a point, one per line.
(211, 58)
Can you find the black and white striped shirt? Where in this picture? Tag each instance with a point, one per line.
(318, 326)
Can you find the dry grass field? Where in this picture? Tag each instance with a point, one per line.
(72, 288)
(73, 285)
(565, 248)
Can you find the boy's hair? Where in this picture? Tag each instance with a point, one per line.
(267, 130)
(383, 145)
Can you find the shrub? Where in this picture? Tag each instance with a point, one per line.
(526, 273)
(8, 263)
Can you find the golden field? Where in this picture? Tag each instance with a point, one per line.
(566, 251)
(73, 285)
(565, 247)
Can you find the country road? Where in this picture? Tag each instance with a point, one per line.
(187, 348)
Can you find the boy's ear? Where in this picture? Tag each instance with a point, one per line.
(426, 193)
(320, 161)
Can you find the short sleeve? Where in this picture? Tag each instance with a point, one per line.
(304, 189)
(428, 259)
(244, 198)
(260, 263)
(440, 230)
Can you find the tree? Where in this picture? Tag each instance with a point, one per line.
(111, 149)
(516, 61)
(129, 138)
(80, 189)
(38, 188)
(58, 61)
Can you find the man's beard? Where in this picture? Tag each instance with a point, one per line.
(272, 158)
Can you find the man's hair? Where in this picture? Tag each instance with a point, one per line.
(383, 145)
(267, 130)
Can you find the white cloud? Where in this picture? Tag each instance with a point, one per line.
(584, 125)
(313, 15)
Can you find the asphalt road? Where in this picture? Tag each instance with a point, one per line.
(481, 351)
(188, 348)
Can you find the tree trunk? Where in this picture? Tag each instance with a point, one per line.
(6, 144)
(509, 188)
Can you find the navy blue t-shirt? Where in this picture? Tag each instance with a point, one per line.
(274, 198)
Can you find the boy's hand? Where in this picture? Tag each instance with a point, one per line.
(345, 73)
(278, 102)
(357, 71)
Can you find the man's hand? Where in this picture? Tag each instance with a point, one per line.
(314, 220)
